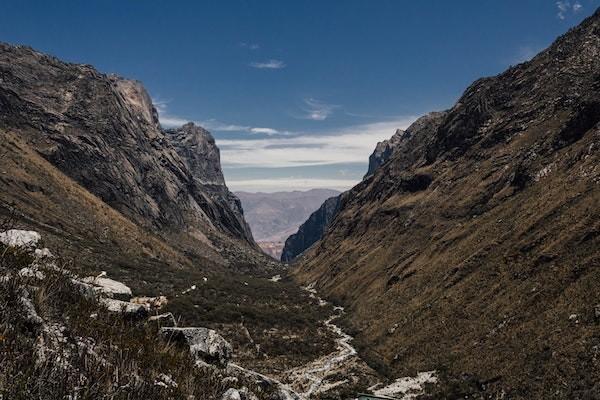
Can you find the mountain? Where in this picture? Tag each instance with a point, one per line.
(311, 230)
(474, 250)
(274, 216)
(103, 134)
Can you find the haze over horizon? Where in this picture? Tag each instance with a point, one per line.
(296, 95)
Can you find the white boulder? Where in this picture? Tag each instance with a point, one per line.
(109, 287)
(43, 253)
(125, 307)
(20, 238)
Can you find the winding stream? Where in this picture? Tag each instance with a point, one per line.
(315, 372)
(302, 383)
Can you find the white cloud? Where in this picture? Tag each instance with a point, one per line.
(351, 144)
(317, 110)
(266, 131)
(289, 184)
(270, 64)
(565, 7)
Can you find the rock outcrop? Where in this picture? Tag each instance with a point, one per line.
(383, 151)
(20, 238)
(478, 238)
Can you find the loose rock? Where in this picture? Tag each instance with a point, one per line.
(204, 344)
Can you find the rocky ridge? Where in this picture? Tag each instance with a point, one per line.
(313, 229)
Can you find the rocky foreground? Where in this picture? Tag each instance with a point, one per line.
(66, 336)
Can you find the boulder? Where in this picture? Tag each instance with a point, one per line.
(204, 344)
(125, 307)
(20, 238)
(165, 381)
(43, 253)
(109, 287)
(29, 272)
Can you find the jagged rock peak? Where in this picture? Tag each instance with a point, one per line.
(197, 147)
(383, 151)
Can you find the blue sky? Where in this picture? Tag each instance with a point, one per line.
(297, 93)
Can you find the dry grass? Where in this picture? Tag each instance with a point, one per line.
(106, 356)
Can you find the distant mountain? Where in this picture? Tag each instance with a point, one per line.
(274, 216)
(475, 249)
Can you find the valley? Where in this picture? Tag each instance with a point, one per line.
(464, 263)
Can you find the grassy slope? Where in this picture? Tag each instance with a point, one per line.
(480, 272)
(93, 237)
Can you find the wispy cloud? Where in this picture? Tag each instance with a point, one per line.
(566, 7)
(317, 110)
(168, 120)
(250, 46)
(289, 183)
(266, 131)
(351, 144)
(270, 64)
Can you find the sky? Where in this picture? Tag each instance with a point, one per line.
(296, 93)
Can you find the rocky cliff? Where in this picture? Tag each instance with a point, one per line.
(474, 249)
(383, 151)
(103, 132)
(312, 230)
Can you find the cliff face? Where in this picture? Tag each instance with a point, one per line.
(103, 132)
(474, 248)
(312, 230)
(197, 148)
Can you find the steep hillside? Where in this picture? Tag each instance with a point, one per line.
(274, 216)
(474, 250)
(104, 133)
